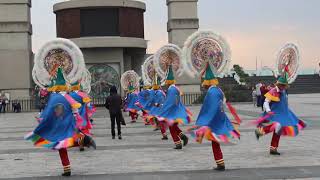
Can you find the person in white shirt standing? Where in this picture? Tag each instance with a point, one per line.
(254, 96)
(258, 93)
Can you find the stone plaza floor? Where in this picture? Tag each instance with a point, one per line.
(142, 155)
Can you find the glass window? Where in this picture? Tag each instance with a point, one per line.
(100, 22)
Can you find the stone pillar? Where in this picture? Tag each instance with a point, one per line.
(182, 20)
(15, 48)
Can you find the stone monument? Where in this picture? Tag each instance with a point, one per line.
(182, 22)
(15, 48)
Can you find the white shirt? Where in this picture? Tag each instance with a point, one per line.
(258, 91)
(266, 104)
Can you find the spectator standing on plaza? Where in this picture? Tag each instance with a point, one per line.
(4, 101)
(114, 105)
(0, 103)
(16, 106)
(254, 96)
(258, 91)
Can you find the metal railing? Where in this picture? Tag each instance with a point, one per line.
(25, 104)
(28, 105)
(187, 99)
(192, 98)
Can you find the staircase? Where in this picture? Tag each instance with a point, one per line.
(306, 84)
(303, 84)
(228, 81)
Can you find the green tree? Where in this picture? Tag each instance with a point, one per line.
(239, 70)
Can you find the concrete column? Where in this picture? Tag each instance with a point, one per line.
(182, 20)
(15, 48)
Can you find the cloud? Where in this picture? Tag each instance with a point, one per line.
(264, 45)
(253, 28)
(284, 28)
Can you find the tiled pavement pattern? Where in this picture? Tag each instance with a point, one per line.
(142, 155)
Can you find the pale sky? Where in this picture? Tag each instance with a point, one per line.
(253, 28)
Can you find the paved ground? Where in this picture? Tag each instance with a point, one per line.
(142, 155)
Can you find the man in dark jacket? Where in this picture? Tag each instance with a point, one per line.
(114, 104)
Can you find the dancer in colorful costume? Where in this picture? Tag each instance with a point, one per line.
(58, 62)
(130, 82)
(146, 96)
(202, 51)
(278, 118)
(87, 109)
(173, 112)
(156, 103)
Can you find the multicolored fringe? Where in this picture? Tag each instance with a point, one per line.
(261, 119)
(291, 131)
(79, 120)
(184, 121)
(90, 110)
(200, 132)
(84, 96)
(74, 104)
(41, 142)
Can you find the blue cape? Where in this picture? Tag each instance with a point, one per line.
(82, 110)
(283, 114)
(159, 98)
(145, 97)
(56, 128)
(212, 113)
(173, 108)
(132, 98)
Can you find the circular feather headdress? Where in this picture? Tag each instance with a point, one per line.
(130, 80)
(168, 56)
(203, 49)
(288, 62)
(58, 53)
(149, 72)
